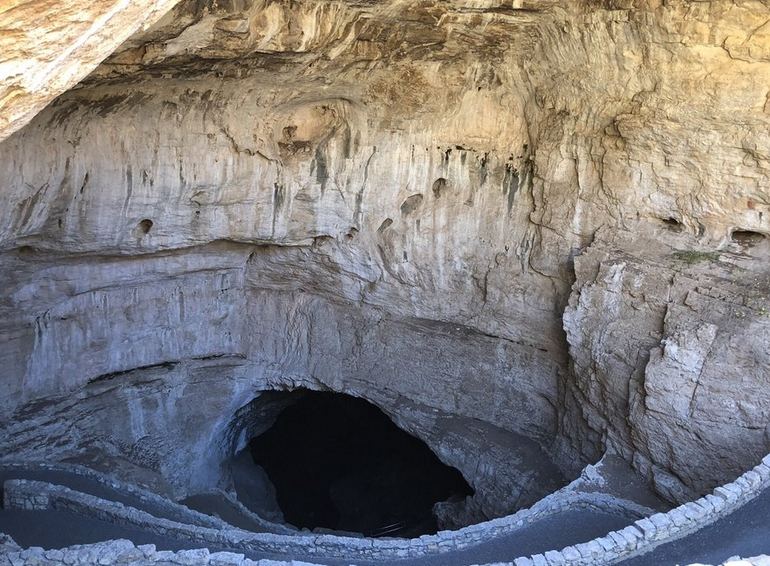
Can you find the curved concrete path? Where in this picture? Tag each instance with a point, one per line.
(744, 532)
(85, 484)
(57, 529)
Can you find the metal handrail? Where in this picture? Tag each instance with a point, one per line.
(387, 529)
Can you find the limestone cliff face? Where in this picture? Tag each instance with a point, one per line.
(670, 355)
(241, 167)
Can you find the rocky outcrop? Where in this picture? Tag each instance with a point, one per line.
(48, 47)
(670, 356)
(205, 340)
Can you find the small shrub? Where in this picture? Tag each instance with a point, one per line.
(691, 257)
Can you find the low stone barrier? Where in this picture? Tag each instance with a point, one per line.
(638, 538)
(125, 553)
(149, 497)
(146, 496)
(647, 534)
(35, 495)
(7, 545)
(266, 525)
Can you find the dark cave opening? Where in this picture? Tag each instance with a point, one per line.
(747, 237)
(338, 462)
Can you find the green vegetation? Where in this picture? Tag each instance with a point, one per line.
(691, 257)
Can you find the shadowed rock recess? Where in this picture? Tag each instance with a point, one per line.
(382, 268)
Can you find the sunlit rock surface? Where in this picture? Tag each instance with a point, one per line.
(399, 201)
(48, 46)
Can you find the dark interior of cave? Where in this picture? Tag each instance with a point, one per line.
(338, 462)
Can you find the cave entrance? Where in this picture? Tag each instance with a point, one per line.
(338, 462)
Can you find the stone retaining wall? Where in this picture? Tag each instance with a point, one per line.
(124, 552)
(268, 526)
(34, 495)
(648, 533)
(642, 536)
(189, 515)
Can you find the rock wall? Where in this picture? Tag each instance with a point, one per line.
(151, 367)
(48, 47)
(670, 355)
(384, 194)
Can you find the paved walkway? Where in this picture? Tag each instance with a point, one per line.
(554, 532)
(218, 506)
(57, 529)
(90, 486)
(745, 532)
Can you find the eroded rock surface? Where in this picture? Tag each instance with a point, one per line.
(394, 201)
(48, 47)
(670, 356)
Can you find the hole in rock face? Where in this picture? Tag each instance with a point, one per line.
(338, 462)
(673, 224)
(145, 226)
(385, 225)
(411, 204)
(439, 187)
(746, 237)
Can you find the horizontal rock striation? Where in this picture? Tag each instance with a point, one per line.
(204, 342)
